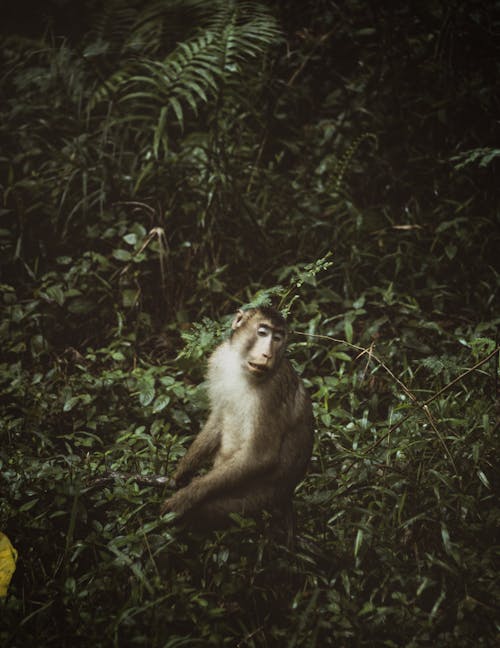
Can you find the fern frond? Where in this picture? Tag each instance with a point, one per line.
(222, 36)
(113, 24)
(480, 156)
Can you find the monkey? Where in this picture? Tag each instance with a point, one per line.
(259, 432)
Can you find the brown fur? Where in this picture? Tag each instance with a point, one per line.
(259, 431)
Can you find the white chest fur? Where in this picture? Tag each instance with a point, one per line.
(231, 393)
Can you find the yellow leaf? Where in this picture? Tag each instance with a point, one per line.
(8, 557)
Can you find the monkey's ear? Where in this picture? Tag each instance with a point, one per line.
(238, 319)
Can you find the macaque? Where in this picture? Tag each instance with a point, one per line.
(259, 433)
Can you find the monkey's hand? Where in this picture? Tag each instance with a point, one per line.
(183, 500)
(166, 506)
(174, 504)
(180, 478)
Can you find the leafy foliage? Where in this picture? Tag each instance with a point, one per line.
(162, 165)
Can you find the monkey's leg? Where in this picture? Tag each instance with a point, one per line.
(215, 513)
(203, 447)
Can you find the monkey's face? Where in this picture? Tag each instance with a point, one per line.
(261, 342)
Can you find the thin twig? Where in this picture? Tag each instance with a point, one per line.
(429, 400)
(249, 636)
(462, 375)
(307, 58)
(438, 433)
(364, 351)
(421, 405)
(157, 481)
(135, 203)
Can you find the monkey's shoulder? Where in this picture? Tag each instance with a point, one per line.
(290, 383)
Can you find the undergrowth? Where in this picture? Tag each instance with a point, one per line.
(165, 163)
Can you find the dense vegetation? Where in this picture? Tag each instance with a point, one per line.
(164, 162)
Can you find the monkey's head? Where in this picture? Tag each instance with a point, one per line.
(259, 335)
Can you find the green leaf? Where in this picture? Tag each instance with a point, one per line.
(70, 403)
(348, 330)
(340, 355)
(178, 111)
(160, 403)
(64, 260)
(81, 306)
(56, 293)
(159, 134)
(146, 395)
(130, 297)
(358, 542)
(131, 238)
(451, 251)
(122, 255)
(483, 478)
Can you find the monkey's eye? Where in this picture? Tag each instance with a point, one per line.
(262, 331)
(277, 337)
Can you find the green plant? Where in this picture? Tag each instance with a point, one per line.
(164, 163)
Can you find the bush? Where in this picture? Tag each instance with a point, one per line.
(165, 163)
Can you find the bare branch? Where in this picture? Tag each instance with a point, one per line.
(158, 481)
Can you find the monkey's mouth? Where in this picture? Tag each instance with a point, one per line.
(257, 368)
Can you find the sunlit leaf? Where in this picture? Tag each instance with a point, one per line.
(8, 558)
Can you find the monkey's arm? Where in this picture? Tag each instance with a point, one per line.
(202, 448)
(234, 471)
